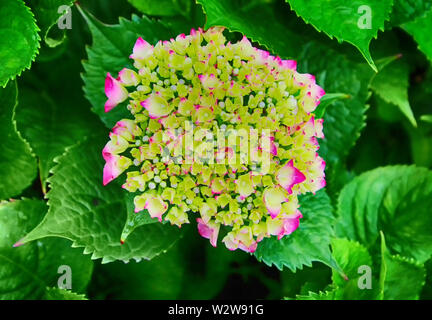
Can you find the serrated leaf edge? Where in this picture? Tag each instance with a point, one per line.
(35, 53)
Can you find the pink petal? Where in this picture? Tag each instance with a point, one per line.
(316, 91)
(208, 230)
(314, 127)
(273, 198)
(319, 128)
(251, 248)
(208, 81)
(156, 207)
(156, 106)
(128, 77)
(115, 92)
(127, 129)
(273, 148)
(116, 145)
(181, 36)
(217, 186)
(290, 224)
(288, 176)
(289, 64)
(114, 166)
(230, 241)
(141, 50)
(110, 172)
(284, 226)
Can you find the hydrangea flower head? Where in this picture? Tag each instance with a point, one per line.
(222, 133)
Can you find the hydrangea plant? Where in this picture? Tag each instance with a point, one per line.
(217, 131)
(222, 132)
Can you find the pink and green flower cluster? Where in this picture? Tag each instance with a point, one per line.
(184, 93)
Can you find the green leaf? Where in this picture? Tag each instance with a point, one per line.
(426, 293)
(328, 100)
(351, 256)
(134, 219)
(421, 146)
(192, 269)
(332, 294)
(386, 111)
(159, 278)
(162, 7)
(316, 278)
(343, 20)
(310, 242)
(47, 15)
(50, 126)
(19, 42)
(243, 18)
(426, 118)
(344, 121)
(400, 278)
(419, 29)
(91, 215)
(395, 199)
(112, 45)
(53, 114)
(346, 118)
(420, 137)
(207, 269)
(17, 164)
(391, 85)
(408, 10)
(62, 294)
(26, 271)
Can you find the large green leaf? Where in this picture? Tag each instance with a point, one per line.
(19, 41)
(162, 7)
(352, 257)
(395, 199)
(110, 50)
(25, 272)
(421, 141)
(159, 278)
(53, 114)
(343, 20)
(345, 119)
(391, 85)
(50, 126)
(91, 215)
(48, 13)
(316, 278)
(420, 30)
(241, 16)
(310, 242)
(408, 10)
(17, 164)
(192, 269)
(400, 278)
